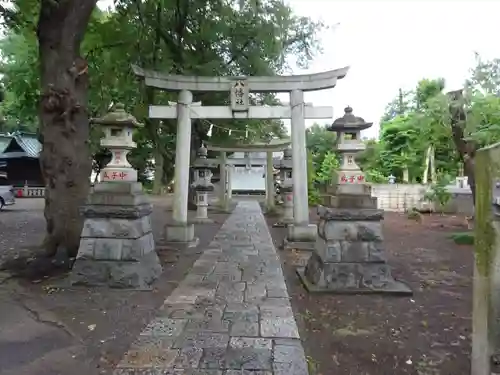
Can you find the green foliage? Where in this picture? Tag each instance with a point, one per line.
(413, 214)
(320, 141)
(197, 37)
(329, 166)
(463, 238)
(438, 194)
(312, 191)
(376, 177)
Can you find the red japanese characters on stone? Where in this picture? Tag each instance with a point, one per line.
(361, 178)
(114, 175)
(351, 179)
(343, 178)
(106, 176)
(122, 175)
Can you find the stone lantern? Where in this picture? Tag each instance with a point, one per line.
(117, 248)
(285, 171)
(202, 184)
(349, 254)
(118, 128)
(349, 129)
(392, 179)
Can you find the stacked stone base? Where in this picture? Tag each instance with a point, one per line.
(349, 255)
(117, 247)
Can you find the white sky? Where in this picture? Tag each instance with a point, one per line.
(392, 44)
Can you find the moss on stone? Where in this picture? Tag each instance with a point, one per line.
(484, 231)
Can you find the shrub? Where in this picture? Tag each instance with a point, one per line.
(463, 238)
(438, 194)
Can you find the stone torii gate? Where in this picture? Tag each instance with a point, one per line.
(240, 87)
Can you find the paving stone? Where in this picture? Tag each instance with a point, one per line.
(149, 357)
(236, 311)
(213, 358)
(202, 340)
(210, 324)
(151, 371)
(164, 327)
(255, 292)
(268, 311)
(244, 328)
(231, 292)
(162, 342)
(279, 327)
(278, 292)
(287, 342)
(247, 372)
(288, 354)
(294, 368)
(188, 358)
(249, 358)
(250, 342)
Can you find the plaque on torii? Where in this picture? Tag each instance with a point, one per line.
(240, 96)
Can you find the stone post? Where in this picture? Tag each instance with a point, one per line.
(202, 185)
(230, 183)
(269, 182)
(117, 247)
(180, 230)
(285, 168)
(485, 358)
(349, 255)
(300, 230)
(223, 181)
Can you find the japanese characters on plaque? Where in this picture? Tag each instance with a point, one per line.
(240, 95)
(352, 179)
(114, 175)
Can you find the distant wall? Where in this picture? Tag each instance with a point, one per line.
(402, 197)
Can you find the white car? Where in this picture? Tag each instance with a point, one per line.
(7, 197)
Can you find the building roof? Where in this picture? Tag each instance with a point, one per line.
(4, 141)
(27, 142)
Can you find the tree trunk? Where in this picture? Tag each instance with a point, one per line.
(158, 180)
(466, 149)
(65, 158)
(432, 165)
(425, 177)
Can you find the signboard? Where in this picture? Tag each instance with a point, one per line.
(240, 96)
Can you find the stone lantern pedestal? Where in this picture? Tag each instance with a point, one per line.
(117, 248)
(285, 170)
(202, 185)
(349, 255)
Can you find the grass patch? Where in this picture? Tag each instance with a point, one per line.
(463, 238)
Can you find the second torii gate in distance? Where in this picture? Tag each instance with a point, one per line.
(240, 87)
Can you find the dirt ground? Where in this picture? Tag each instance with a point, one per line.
(426, 334)
(100, 323)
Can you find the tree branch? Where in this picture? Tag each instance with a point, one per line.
(104, 46)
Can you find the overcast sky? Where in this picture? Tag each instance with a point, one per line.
(392, 44)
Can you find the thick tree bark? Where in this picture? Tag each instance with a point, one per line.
(466, 149)
(64, 123)
(159, 164)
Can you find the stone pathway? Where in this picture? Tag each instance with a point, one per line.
(231, 315)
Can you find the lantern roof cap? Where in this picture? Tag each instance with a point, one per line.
(349, 122)
(117, 116)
